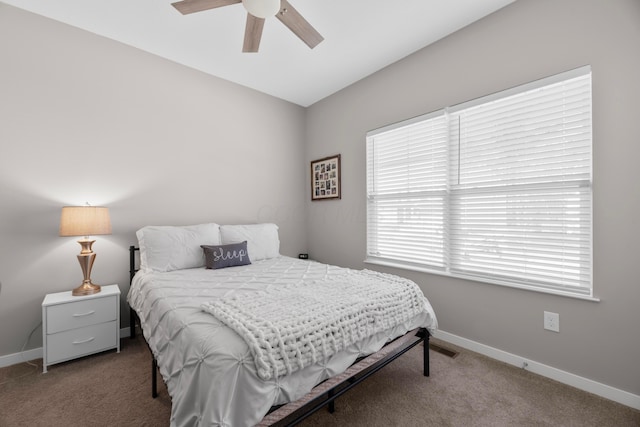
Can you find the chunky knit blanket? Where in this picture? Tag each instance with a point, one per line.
(289, 327)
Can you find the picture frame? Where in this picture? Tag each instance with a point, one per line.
(325, 178)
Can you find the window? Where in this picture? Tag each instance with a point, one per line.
(497, 189)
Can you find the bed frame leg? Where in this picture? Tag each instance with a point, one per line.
(132, 323)
(332, 404)
(154, 378)
(425, 354)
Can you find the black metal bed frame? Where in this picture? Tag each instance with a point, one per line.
(325, 393)
(133, 316)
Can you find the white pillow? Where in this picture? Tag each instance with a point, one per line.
(262, 239)
(168, 248)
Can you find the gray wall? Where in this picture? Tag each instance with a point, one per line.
(84, 118)
(525, 41)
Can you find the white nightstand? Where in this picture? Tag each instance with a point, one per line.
(75, 326)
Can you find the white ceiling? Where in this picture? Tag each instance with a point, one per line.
(360, 37)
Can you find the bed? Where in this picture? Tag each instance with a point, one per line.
(238, 331)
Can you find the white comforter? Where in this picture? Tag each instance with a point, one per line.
(208, 369)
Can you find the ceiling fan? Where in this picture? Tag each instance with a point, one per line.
(257, 11)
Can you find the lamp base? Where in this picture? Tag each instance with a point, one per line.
(86, 289)
(86, 258)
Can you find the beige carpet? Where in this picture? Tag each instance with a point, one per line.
(113, 389)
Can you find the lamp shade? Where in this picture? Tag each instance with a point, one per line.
(84, 221)
(262, 8)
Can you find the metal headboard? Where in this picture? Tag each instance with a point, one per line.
(132, 272)
(132, 262)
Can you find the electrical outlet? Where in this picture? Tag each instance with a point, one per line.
(552, 321)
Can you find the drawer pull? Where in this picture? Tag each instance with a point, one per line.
(88, 313)
(83, 341)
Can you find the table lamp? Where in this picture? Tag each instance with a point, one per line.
(85, 221)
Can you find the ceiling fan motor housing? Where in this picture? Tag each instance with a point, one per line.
(262, 8)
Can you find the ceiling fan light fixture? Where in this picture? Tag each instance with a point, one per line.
(262, 8)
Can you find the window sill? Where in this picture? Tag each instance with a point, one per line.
(475, 279)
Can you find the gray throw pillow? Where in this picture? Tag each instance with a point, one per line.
(221, 256)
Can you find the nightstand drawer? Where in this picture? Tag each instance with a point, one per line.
(80, 313)
(82, 341)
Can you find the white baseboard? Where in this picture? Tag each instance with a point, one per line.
(564, 377)
(36, 353)
(15, 358)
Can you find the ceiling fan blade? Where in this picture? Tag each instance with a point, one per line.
(296, 23)
(191, 6)
(252, 33)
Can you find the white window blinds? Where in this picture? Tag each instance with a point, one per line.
(407, 183)
(497, 189)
